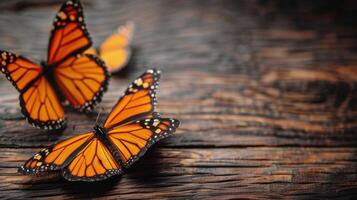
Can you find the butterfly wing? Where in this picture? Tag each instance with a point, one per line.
(91, 51)
(41, 106)
(82, 79)
(138, 101)
(55, 156)
(116, 50)
(69, 35)
(38, 100)
(93, 163)
(20, 71)
(133, 139)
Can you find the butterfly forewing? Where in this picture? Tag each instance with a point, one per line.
(55, 156)
(138, 101)
(20, 71)
(69, 35)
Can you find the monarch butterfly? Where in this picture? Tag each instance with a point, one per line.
(68, 74)
(130, 129)
(116, 50)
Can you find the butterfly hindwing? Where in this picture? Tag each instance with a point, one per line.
(55, 156)
(41, 106)
(69, 35)
(94, 162)
(82, 79)
(133, 139)
(138, 101)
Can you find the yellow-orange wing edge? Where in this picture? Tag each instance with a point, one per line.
(91, 51)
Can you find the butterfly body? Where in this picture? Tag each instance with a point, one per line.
(102, 134)
(47, 70)
(99, 131)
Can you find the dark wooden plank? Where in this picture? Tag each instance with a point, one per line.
(265, 90)
(201, 173)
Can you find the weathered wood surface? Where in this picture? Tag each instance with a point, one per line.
(266, 92)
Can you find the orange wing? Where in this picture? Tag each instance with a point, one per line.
(94, 162)
(82, 80)
(116, 50)
(133, 139)
(20, 71)
(56, 156)
(138, 101)
(69, 35)
(91, 51)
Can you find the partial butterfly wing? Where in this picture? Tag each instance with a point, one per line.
(56, 156)
(138, 100)
(82, 79)
(116, 50)
(133, 139)
(94, 162)
(20, 71)
(38, 100)
(69, 35)
(41, 105)
(91, 51)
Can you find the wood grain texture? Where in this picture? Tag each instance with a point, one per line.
(265, 90)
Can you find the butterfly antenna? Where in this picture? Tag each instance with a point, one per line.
(99, 113)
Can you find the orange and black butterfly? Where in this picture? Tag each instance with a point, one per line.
(68, 74)
(116, 49)
(130, 129)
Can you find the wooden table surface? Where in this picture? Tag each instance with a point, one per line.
(265, 90)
